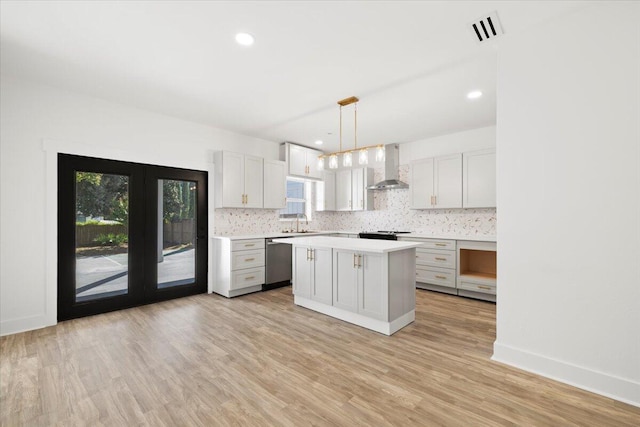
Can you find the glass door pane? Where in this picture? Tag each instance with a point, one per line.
(102, 235)
(176, 232)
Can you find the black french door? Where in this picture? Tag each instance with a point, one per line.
(128, 234)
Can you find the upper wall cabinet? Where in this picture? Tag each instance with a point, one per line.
(326, 192)
(436, 183)
(351, 192)
(275, 184)
(240, 181)
(301, 161)
(479, 179)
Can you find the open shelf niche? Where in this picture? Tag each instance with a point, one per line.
(478, 264)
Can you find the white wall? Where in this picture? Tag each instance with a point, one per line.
(475, 139)
(79, 125)
(568, 144)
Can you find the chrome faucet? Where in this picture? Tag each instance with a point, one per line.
(298, 221)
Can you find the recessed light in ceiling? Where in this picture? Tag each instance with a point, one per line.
(474, 94)
(318, 142)
(244, 39)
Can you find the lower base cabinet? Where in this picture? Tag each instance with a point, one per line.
(357, 283)
(238, 266)
(312, 274)
(372, 290)
(458, 267)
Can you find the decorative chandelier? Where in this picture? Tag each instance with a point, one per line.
(347, 155)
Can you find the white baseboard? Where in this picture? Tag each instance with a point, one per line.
(617, 388)
(23, 324)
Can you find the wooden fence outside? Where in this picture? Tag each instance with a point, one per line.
(179, 233)
(175, 233)
(85, 234)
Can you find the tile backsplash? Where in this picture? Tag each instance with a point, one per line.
(391, 212)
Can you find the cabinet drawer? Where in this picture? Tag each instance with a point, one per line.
(486, 288)
(247, 259)
(245, 278)
(436, 258)
(436, 276)
(242, 245)
(449, 245)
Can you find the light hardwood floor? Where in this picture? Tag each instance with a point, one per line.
(260, 360)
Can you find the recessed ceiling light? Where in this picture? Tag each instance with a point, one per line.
(244, 39)
(474, 94)
(318, 142)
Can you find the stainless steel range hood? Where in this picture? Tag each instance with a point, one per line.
(391, 164)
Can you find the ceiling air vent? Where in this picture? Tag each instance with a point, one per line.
(487, 27)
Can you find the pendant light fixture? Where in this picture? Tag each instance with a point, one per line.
(347, 155)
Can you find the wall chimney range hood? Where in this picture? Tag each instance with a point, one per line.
(391, 164)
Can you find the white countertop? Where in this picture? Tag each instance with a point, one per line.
(472, 238)
(361, 245)
(279, 234)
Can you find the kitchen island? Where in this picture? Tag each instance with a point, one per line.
(370, 283)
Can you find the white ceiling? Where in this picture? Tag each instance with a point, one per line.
(410, 63)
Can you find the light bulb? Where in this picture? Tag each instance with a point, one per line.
(333, 161)
(244, 39)
(363, 157)
(347, 159)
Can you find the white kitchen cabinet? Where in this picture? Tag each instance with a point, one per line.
(343, 190)
(301, 161)
(275, 184)
(372, 285)
(351, 189)
(238, 180)
(238, 266)
(326, 192)
(477, 269)
(479, 179)
(421, 184)
(435, 264)
(345, 284)
(312, 273)
(436, 183)
(358, 283)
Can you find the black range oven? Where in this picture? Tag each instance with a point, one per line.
(381, 234)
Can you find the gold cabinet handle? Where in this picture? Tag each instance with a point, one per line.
(312, 253)
(250, 277)
(485, 287)
(249, 259)
(308, 254)
(246, 198)
(355, 262)
(440, 259)
(431, 200)
(441, 244)
(359, 260)
(441, 277)
(248, 245)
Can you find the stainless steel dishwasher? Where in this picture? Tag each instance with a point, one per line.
(278, 265)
